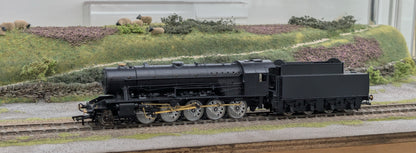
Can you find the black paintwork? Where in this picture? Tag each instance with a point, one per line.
(279, 86)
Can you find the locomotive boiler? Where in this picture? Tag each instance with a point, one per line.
(212, 91)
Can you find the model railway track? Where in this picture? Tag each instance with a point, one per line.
(42, 128)
(387, 106)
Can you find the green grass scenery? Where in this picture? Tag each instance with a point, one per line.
(9, 100)
(4, 110)
(18, 49)
(393, 118)
(30, 141)
(73, 98)
(285, 53)
(395, 102)
(148, 135)
(274, 127)
(34, 119)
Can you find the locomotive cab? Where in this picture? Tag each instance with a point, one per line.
(255, 76)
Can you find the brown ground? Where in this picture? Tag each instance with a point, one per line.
(408, 147)
(269, 29)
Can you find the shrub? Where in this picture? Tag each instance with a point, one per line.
(175, 24)
(123, 30)
(84, 76)
(411, 62)
(345, 22)
(375, 76)
(213, 26)
(74, 35)
(173, 20)
(39, 69)
(131, 28)
(404, 68)
(182, 29)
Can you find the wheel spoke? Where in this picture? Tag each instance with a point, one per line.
(106, 118)
(237, 111)
(171, 116)
(215, 112)
(145, 118)
(194, 114)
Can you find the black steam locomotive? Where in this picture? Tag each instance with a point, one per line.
(144, 93)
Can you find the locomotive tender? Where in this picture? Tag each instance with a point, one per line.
(142, 93)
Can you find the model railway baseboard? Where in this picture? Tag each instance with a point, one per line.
(302, 144)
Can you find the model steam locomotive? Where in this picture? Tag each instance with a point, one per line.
(144, 93)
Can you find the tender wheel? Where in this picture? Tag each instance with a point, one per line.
(288, 113)
(215, 112)
(145, 118)
(237, 111)
(329, 111)
(308, 112)
(194, 114)
(106, 118)
(171, 116)
(350, 110)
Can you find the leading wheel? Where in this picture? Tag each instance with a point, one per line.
(194, 114)
(215, 112)
(106, 118)
(144, 118)
(237, 111)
